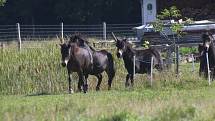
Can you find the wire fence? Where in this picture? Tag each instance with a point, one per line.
(37, 32)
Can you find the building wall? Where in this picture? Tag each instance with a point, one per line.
(149, 12)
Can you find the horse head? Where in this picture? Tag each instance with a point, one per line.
(122, 46)
(65, 53)
(207, 39)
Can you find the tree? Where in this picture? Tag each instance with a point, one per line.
(171, 14)
(2, 2)
(176, 27)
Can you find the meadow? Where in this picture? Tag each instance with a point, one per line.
(33, 86)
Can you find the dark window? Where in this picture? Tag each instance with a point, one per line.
(149, 6)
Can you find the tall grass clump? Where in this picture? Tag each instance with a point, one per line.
(31, 70)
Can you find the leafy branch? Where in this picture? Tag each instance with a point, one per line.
(2, 2)
(171, 14)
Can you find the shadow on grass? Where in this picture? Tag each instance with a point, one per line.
(39, 94)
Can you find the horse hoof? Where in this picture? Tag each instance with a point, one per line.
(109, 88)
(85, 88)
(71, 91)
(97, 88)
(85, 91)
(127, 85)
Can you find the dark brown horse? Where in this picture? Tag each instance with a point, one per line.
(79, 57)
(142, 61)
(207, 47)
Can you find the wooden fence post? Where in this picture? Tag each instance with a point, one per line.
(104, 31)
(208, 67)
(151, 79)
(177, 60)
(19, 37)
(134, 71)
(62, 30)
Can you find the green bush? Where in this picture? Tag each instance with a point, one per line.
(122, 116)
(188, 50)
(177, 114)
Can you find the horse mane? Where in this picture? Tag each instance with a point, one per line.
(129, 46)
(155, 52)
(82, 41)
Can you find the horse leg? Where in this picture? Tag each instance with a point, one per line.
(212, 74)
(86, 78)
(132, 80)
(80, 84)
(85, 86)
(127, 79)
(202, 69)
(110, 70)
(99, 77)
(70, 80)
(111, 74)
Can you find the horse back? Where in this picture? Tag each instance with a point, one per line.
(144, 57)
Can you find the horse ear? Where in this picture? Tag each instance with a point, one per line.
(81, 41)
(59, 45)
(124, 40)
(61, 40)
(114, 37)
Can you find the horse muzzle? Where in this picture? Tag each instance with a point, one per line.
(64, 63)
(119, 54)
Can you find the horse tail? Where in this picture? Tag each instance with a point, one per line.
(111, 70)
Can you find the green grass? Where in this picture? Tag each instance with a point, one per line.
(147, 104)
(33, 86)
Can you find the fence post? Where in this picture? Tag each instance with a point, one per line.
(62, 30)
(104, 31)
(209, 78)
(19, 37)
(177, 60)
(169, 58)
(193, 66)
(134, 66)
(151, 79)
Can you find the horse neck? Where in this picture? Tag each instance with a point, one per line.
(88, 47)
(129, 53)
(212, 50)
(74, 49)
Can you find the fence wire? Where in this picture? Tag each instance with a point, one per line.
(37, 32)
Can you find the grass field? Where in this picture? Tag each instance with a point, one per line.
(33, 86)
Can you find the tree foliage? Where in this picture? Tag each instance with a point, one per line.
(94, 11)
(70, 11)
(2, 2)
(171, 14)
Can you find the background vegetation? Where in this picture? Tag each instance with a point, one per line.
(94, 11)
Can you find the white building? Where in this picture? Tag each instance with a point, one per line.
(148, 11)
